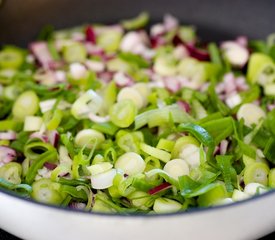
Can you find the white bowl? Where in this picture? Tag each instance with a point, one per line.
(249, 219)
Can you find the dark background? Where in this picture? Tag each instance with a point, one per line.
(20, 21)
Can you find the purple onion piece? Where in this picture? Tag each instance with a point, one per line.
(223, 147)
(170, 22)
(53, 137)
(77, 205)
(9, 135)
(230, 84)
(157, 41)
(199, 54)
(40, 136)
(184, 106)
(50, 166)
(105, 76)
(172, 84)
(7, 155)
(123, 80)
(90, 35)
(270, 107)
(160, 188)
(42, 54)
(216, 150)
(93, 49)
(242, 40)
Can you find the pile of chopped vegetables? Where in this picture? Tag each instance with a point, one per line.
(114, 118)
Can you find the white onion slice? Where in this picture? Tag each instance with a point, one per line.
(251, 113)
(131, 163)
(176, 168)
(32, 123)
(103, 180)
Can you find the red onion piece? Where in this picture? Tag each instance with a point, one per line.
(199, 54)
(134, 41)
(90, 35)
(172, 84)
(94, 50)
(157, 30)
(223, 147)
(160, 188)
(216, 150)
(105, 76)
(123, 80)
(241, 84)
(184, 106)
(50, 166)
(177, 41)
(40, 136)
(157, 41)
(242, 40)
(270, 107)
(230, 85)
(170, 22)
(53, 137)
(220, 88)
(77, 205)
(7, 155)
(42, 54)
(78, 36)
(9, 135)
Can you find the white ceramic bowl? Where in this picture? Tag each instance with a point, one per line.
(249, 219)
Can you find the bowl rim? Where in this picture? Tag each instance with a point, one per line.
(192, 211)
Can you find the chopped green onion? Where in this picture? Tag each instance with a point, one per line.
(11, 58)
(32, 123)
(103, 180)
(89, 138)
(26, 104)
(52, 120)
(256, 173)
(212, 196)
(74, 52)
(201, 134)
(271, 178)
(123, 113)
(11, 172)
(23, 190)
(49, 156)
(166, 205)
(166, 145)
(155, 152)
(130, 163)
(176, 168)
(88, 102)
(46, 191)
(158, 117)
(140, 21)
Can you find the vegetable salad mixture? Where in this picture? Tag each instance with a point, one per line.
(118, 119)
